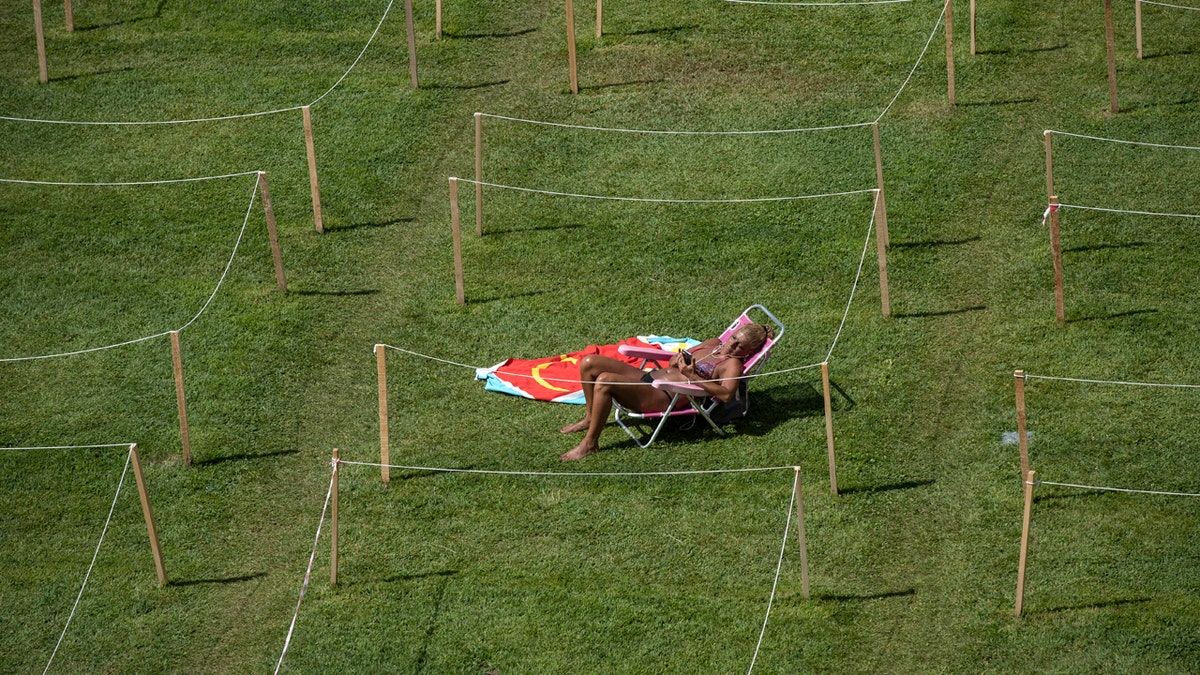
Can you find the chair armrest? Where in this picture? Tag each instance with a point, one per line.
(648, 353)
(685, 388)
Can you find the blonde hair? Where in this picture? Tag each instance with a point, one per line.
(757, 333)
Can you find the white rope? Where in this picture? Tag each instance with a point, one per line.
(167, 332)
(223, 117)
(786, 529)
(683, 133)
(1113, 489)
(1163, 4)
(1115, 140)
(815, 4)
(571, 381)
(857, 275)
(360, 54)
(86, 351)
(665, 201)
(142, 182)
(917, 64)
(432, 358)
(148, 123)
(90, 567)
(1115, 382)
(577, 474)
(307, 572)
(1050, 208)
(73, 447)
(236, 244)
(1136, 213)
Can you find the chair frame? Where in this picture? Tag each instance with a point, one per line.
(699, 402)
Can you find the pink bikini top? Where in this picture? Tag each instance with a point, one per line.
(705, 369)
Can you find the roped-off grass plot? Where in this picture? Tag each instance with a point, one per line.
(694, 262)
(1178, 16)
(75, 259)
(558, 563)
(602, 184)
(1118, 27)
(51, 534)
(1108, 458)
(167, 67)
(672, 165)
(809, 268)
(1115, 212)
(90, 295)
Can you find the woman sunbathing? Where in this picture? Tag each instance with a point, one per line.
(712, 365)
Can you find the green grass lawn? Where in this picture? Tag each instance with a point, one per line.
(913, 565)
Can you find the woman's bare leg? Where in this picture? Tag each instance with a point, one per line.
(575, 426)
(604, 388)
(590, 368)
(587, 377)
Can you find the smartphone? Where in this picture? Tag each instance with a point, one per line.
(687, 357)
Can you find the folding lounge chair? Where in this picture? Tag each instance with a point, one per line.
(697, 401)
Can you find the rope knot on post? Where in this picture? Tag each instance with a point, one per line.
(1052, 208)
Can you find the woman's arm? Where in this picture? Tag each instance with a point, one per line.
(677, 360)
(724, 383)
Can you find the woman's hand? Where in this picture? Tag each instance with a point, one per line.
(688, 370)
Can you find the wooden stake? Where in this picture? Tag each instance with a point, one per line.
(456, 234)
(479, 174)
(438, 20)
(43, 73)
(1137, 25)
(879, 180)
(177, 361)
(833, 489)
(272, 234)
(800, 535)
(148, 513)
(1049, 166)
(972, 27)
(1112, 56)
(312, 169)
(599, 18)
(412, 43)
(881, 254)
(1030, 482)
(571, 46)
(1022, 434)
(950, 50)
(384, 451)
(69, 15)
(333, 524)
(1060, 310)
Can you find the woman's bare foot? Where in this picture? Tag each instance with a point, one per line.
(582, 450)
(572, 428)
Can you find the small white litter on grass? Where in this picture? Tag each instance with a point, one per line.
(1011, 437)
